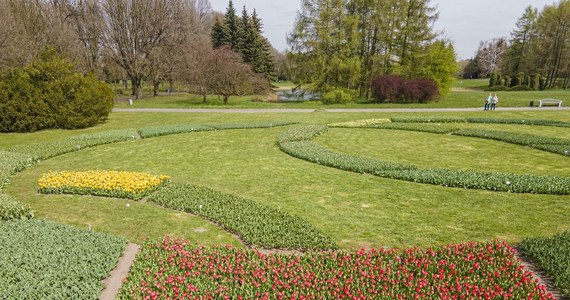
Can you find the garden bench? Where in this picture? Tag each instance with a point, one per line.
(549, 102)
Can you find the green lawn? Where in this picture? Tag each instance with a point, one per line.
(469, 94)
(355, 210)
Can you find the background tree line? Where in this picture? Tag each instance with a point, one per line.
(152, 41)
(343, 44)
(537, 55)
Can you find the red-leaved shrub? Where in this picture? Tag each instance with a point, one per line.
(394, 89)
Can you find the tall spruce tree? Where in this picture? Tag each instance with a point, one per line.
(245, 36)
(220, 35)
(231, 22)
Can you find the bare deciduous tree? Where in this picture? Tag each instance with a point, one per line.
(229, 76)
(134, 30)
(490, 54)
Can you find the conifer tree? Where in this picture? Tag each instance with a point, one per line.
(220, 36)
(232, 24)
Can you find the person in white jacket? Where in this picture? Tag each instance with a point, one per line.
(494, 102)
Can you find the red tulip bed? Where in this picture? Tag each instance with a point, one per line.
(173, 269)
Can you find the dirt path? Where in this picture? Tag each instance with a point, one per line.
(332, 110)
(542, 277)
(114, 282)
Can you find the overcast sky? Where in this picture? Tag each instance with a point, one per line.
(465, 22)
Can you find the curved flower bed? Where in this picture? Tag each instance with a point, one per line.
(297, 142)
(118, 184)
(172, 269)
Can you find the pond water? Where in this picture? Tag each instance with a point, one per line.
(295, 95)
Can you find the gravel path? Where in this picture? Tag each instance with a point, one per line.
(332, 110)
(114, 282)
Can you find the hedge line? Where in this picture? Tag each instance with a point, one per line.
(257, 224)
(46, 260)
(552, 254)
(306, 149)
(550, 144)
(10, 209)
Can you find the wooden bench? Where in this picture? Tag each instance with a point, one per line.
(555, 102)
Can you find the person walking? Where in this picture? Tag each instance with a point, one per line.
(488, 102)
(495, 101)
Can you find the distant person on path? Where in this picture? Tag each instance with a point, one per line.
(494, 103)
(488, 102)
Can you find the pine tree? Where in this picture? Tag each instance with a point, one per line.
(220, 36)
(232, 24)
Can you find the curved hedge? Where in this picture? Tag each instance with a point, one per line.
(257, 224)
(297, 142)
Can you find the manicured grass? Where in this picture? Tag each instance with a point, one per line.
(355, 210)
(445, 151)
(480, 83)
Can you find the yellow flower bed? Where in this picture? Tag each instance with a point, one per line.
(132, 185)
(360, 123)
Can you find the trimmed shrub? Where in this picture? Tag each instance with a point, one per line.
(392, 88)
(534, 82)
(11, 209)
(386, 88)
(551, 254)
(518, 88)
(49, 94)
(337, 96)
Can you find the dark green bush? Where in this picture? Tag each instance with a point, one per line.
(23, 108)
(49, 94)
(518, 88)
